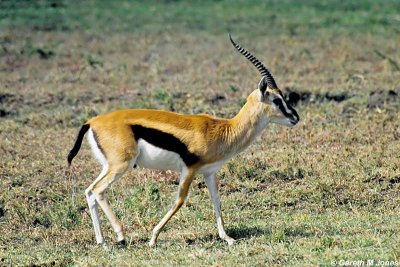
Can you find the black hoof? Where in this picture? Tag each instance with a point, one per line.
(122, 244)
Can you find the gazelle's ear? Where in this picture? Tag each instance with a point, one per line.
(262, 85)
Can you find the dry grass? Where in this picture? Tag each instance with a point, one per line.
(325, 190)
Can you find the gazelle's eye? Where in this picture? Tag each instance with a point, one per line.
(278, 102)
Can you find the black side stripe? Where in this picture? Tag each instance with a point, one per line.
(165, 141)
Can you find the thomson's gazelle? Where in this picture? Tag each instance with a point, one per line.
(189, 144)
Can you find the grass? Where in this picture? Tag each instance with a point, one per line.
(324, 191)
(255, 17)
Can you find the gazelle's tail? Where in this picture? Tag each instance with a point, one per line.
(78, 143)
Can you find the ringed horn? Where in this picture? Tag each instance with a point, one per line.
(261, 68)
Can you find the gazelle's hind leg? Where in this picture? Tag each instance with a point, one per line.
(97, 190)
(94, 214)
(90, 197)
(113, 168)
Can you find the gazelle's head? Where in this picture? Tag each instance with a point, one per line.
(270, 94)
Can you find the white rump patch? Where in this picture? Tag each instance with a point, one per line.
(98, 154)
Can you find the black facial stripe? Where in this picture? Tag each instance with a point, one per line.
(165, 141)
(294, 112)
(281, 107)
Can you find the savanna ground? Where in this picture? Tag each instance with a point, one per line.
(327, 190)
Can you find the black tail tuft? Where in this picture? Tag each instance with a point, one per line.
(78, 143)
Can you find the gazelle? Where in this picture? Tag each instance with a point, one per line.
(189, 144)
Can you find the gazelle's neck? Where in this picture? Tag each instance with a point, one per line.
(247, 124)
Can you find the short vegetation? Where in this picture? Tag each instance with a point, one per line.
(326, 191)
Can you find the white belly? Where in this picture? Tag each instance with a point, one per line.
(211, 168)
(150, 156)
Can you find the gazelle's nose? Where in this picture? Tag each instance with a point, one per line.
(294, 120)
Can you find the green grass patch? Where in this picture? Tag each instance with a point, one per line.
(251, 17)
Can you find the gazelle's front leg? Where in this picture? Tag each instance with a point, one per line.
(184, 184)
(213, 190)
